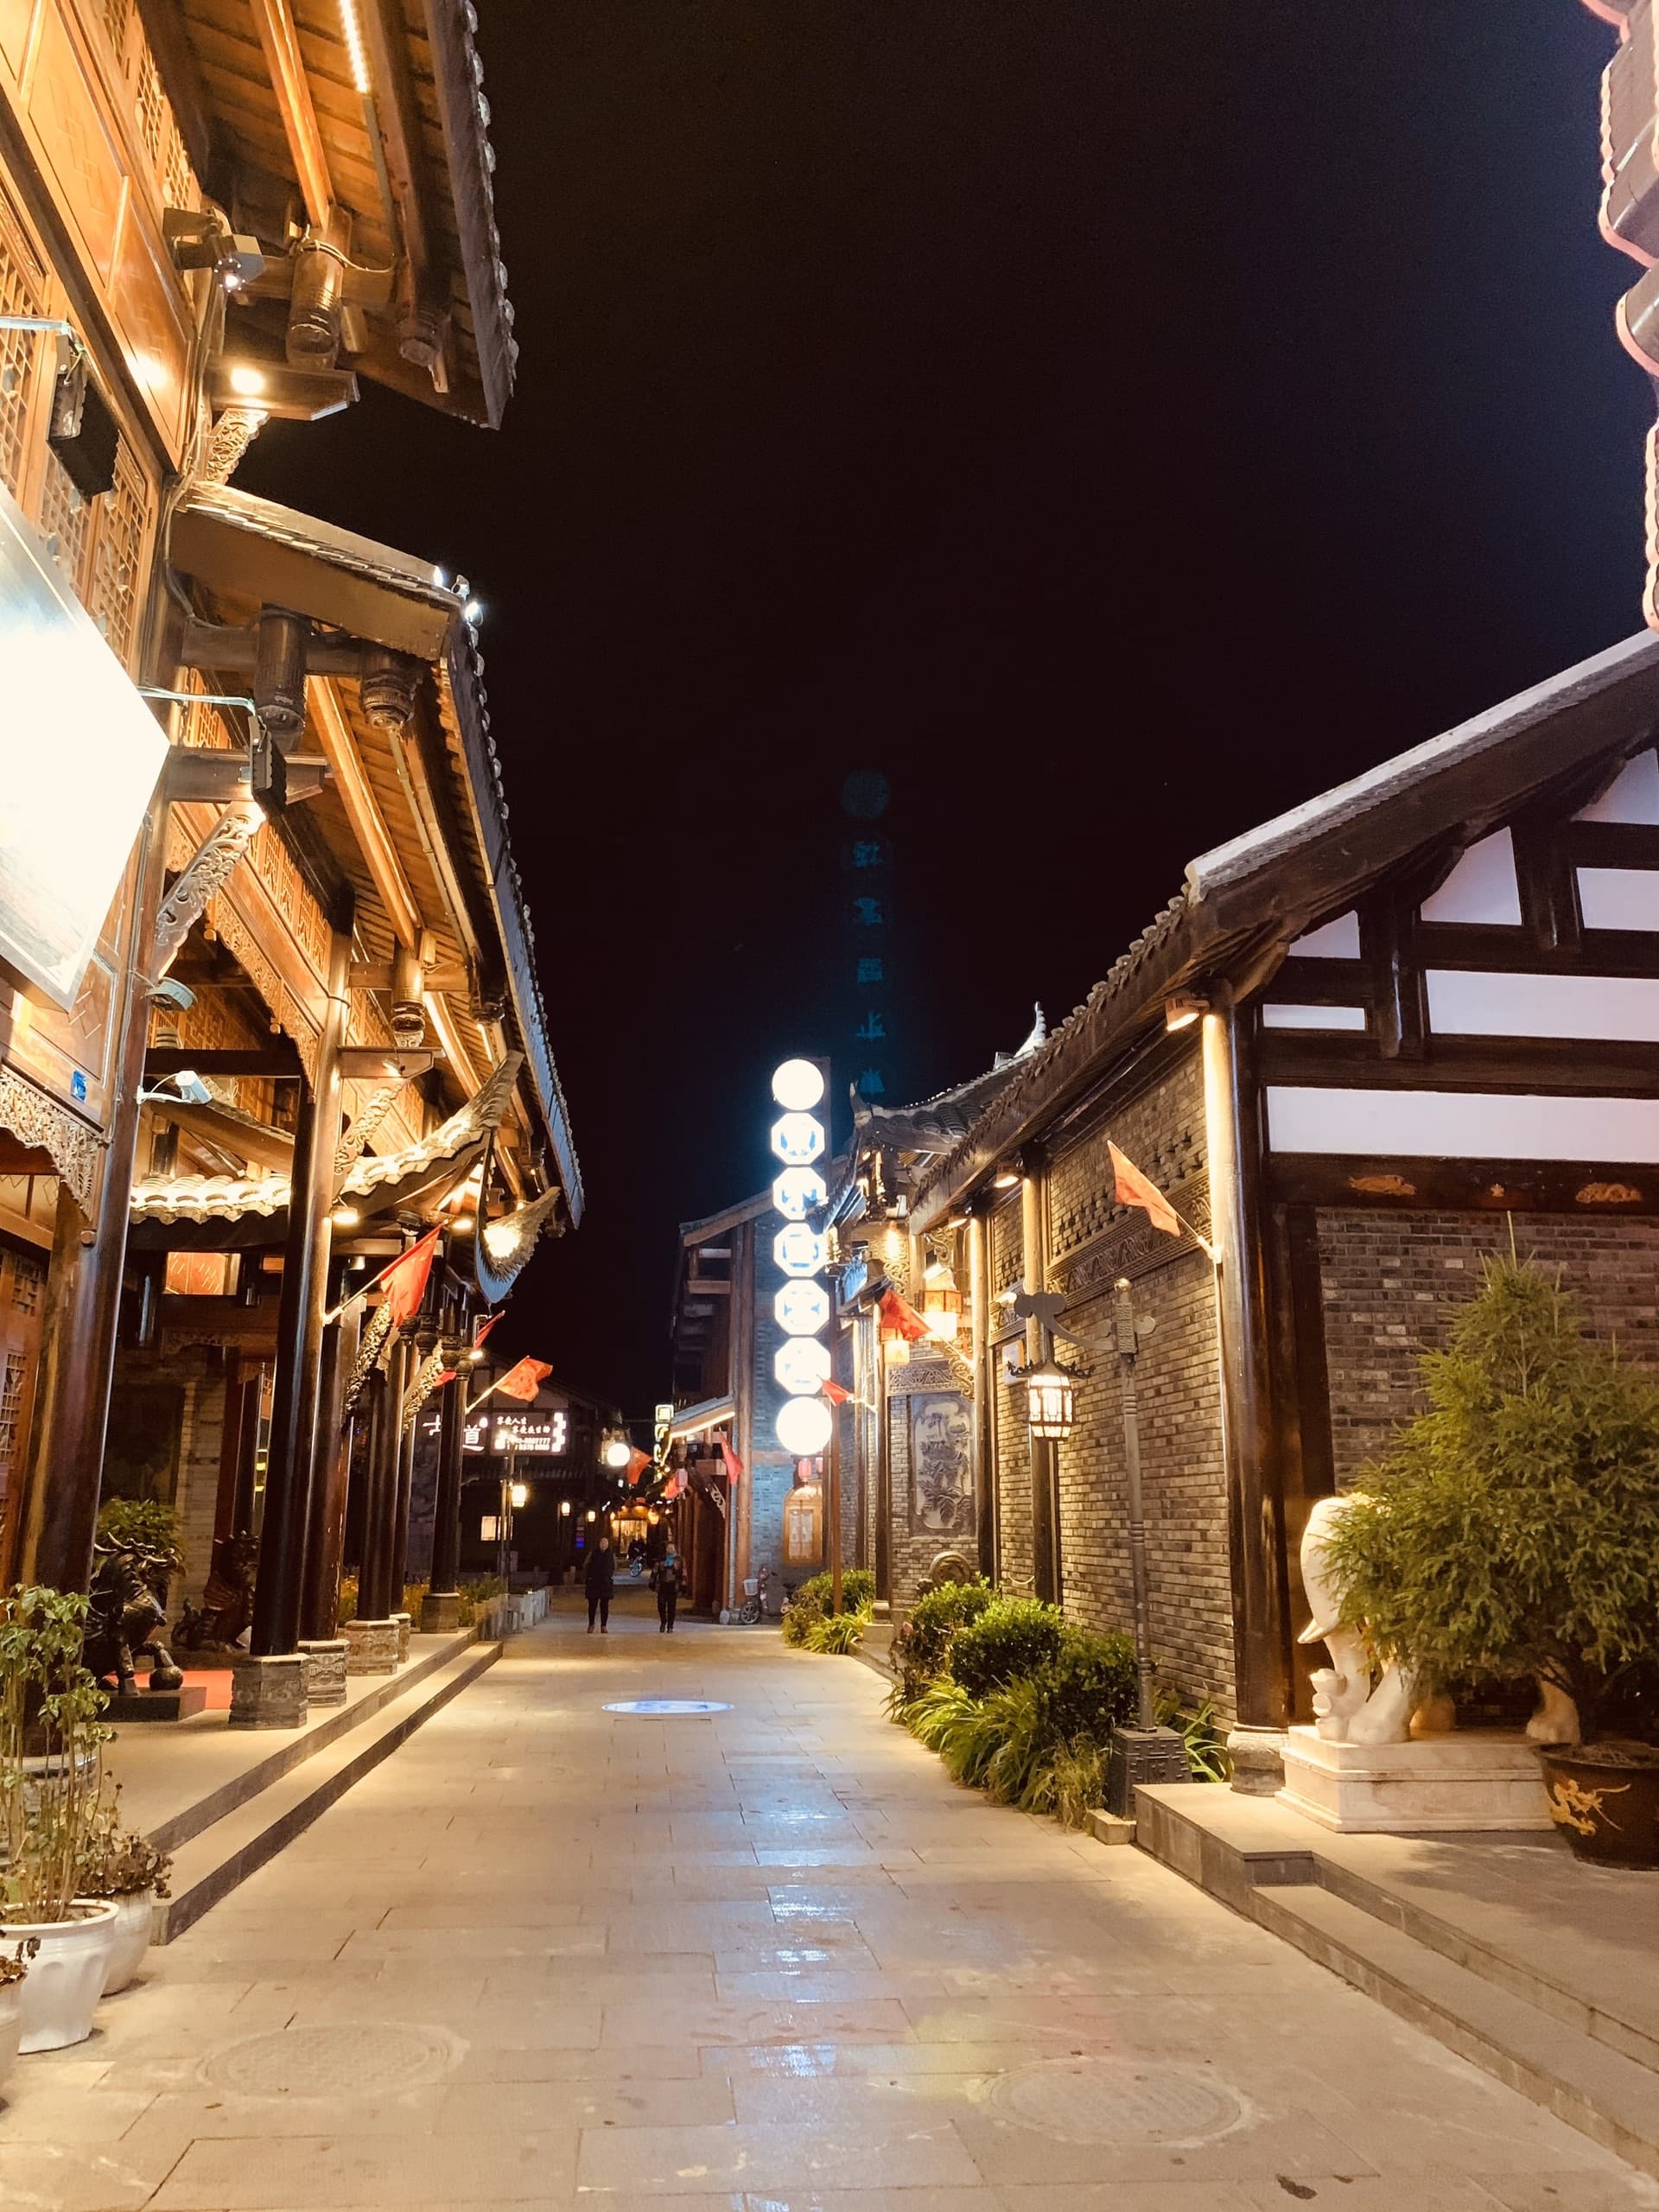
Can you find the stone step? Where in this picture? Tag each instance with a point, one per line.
(289, 1748)
(222, 1852)
(1606, 2095)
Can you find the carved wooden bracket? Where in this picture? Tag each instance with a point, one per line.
(206, 873)
(369, 1348)
(71, 1144)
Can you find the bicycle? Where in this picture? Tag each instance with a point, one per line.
(754, 1608)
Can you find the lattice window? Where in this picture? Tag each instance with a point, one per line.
(178, 178)
(112, 587)
(11, 1407)
(28, 1281)
(65, 520)
(117, 17)
(151, 105)
(20, 293)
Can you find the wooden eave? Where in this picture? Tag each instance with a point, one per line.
(433, 792)
(1244, 903)
(430, 105)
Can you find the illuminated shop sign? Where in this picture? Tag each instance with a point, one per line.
(802, 1365)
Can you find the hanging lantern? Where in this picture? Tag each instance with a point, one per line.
(941, 1302)
(895, 1346)
(1051, 1401)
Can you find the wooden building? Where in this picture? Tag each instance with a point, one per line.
(262, 746)
(1362, 1043)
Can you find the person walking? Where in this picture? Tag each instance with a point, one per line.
(665, 1581)
(598, 1579)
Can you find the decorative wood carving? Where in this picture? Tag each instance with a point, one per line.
(502, 1247)
(440, 1356)
(209, 869)
(234, 432)
(73, 1145)
(368, 1349)
(372, 1113)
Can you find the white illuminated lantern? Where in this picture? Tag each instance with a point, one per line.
(797, 1250)
(798, 1085)
(798, 1139)
(803, 1366)
(797, 1191)
(804, 1427)
(801, 1308)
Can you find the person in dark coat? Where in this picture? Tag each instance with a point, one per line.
(665, 1581)
(598, 1579)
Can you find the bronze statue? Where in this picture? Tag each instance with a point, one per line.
(128, 1615)
(226, 1607)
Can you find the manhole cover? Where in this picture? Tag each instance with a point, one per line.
(657, 1708)
(340, 2060)
(1114, 2101)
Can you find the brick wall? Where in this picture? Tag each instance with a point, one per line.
(1386, 1279)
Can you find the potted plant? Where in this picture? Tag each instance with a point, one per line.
(128, 1872)
(50, 1737)
(1513, 1531)
(13, 1973)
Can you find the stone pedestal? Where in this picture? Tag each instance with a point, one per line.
(156, 1705)
(268, 1692)
(372, 1647)
(1138, 1755)
(1258, 1760)
(440, 1614)
(325, 1669)
(405, 1630)
(1474, 1780)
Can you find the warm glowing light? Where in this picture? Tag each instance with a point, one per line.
(941, 1302)
(592, 1515)
(653, 1518)
(1006, 1181)
(564, 1508)
(804, 1427)
(247, 382)
(799, 1085)
(1051, 1401)
(519, 1493)
(802, 1365)
(462, 1222)
(798, 1139)
(1182, 1009)
(801, 1308)
(475, 1357)
(798, 1191)
(797, 1250)
(618, 1452)
(359, 61)
(345, 1217)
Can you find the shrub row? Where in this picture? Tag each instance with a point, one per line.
(811, 1604)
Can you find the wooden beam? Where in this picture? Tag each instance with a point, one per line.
(362, 811)
(1611, 845)
(1495, 1186)
(280, 37)
(386, 41)
(1514, 952)
(277, 1061)
(1550, 1064)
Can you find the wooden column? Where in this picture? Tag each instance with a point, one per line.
(1254, 1499)
(1045, 1502)
(374, 1584)
(278, 1593)
(320, 1612)
(445, 1514)
(883, 1607)
(406, 1435)
(53, 1514)
(739, 1502)
(979, 1352)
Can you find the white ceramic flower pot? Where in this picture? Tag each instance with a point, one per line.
(11, 2025)
(65, 1975)
(132, 1917)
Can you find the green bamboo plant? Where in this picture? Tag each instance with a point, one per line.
(49, 1699)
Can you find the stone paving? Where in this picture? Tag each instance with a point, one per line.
(767, 1961)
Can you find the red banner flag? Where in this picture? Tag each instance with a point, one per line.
(898, 1314)
(638, 1462)
(835, 1394)
(733, 1464)
(404, 1280)
(523, 1381)
(1133, 1189)
(448, 1376)
(478, 1339)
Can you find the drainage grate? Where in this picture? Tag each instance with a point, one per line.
(1114, 2101)
(660, 1708)
(344, 2059)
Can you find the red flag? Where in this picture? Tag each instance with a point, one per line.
(835, 1394)
(1134, 1190)
(523, 1381)
(448, 1376)
(404, 1280)
(897, 1314)
(478, 1339)
(638, 1462)
(733, 1464)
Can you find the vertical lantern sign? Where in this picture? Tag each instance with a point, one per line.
(802, 1306)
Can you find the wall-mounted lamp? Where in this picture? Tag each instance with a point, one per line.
(1182, 1009)
(1051, 1401)
(941, 1302)
(1006, 1179)
(520, 1494)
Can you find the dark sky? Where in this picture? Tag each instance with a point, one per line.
(1111, 420)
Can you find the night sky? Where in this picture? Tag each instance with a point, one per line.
(1110, 421)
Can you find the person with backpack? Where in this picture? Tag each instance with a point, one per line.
(598, 1580)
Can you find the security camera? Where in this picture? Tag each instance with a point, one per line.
(169, 991)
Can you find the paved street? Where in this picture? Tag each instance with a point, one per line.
(768, 1961)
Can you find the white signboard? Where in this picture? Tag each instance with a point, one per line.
(79, 754)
